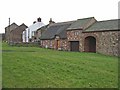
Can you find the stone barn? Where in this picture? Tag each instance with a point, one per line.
(55, 37)
(74, 33)
(83, 35)
(100, 37)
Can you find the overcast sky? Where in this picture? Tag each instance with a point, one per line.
(27, 11)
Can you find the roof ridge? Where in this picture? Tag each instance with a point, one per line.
(108, 20)
(85, 18)
(105, 25)
(66, 22)
(11, 25)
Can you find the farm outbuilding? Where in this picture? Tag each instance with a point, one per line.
(83, 35)
(55, 36)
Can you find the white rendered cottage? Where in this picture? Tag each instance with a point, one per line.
(30, 31)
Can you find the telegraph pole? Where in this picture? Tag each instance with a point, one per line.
(9, 21)
(9, 31)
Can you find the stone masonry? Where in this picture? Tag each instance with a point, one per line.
(106, 42)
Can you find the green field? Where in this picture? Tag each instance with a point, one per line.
(34, 67)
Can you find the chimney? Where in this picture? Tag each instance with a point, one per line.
(50, 22)
(39, 19)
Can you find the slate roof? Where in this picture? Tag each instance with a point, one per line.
(80, 23)
(43, 27)
(58, 29)
(21, 27)
(11, 25)
(86, 24)
(104, 26)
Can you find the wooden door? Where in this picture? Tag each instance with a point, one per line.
(74, 46)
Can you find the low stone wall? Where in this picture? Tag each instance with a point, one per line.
(30, 44)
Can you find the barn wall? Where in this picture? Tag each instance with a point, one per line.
(106, 42)
(75, 35)
(47, 43)
(64, 44)
(52, 44)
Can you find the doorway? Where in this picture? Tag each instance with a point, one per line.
(90, 44)
(74, 46)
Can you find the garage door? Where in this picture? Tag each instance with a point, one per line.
(74, 46)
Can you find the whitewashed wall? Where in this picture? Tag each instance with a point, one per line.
(29, 32)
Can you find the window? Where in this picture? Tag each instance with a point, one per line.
(76, 33)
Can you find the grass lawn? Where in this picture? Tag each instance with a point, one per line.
(35, 67)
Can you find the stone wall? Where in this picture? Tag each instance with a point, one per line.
(106, 42)
(47, 43)
(52, 44)
(75, 35)
(8, 30)
(64, 44)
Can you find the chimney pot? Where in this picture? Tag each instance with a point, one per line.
(50, 22)
(39, 19)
